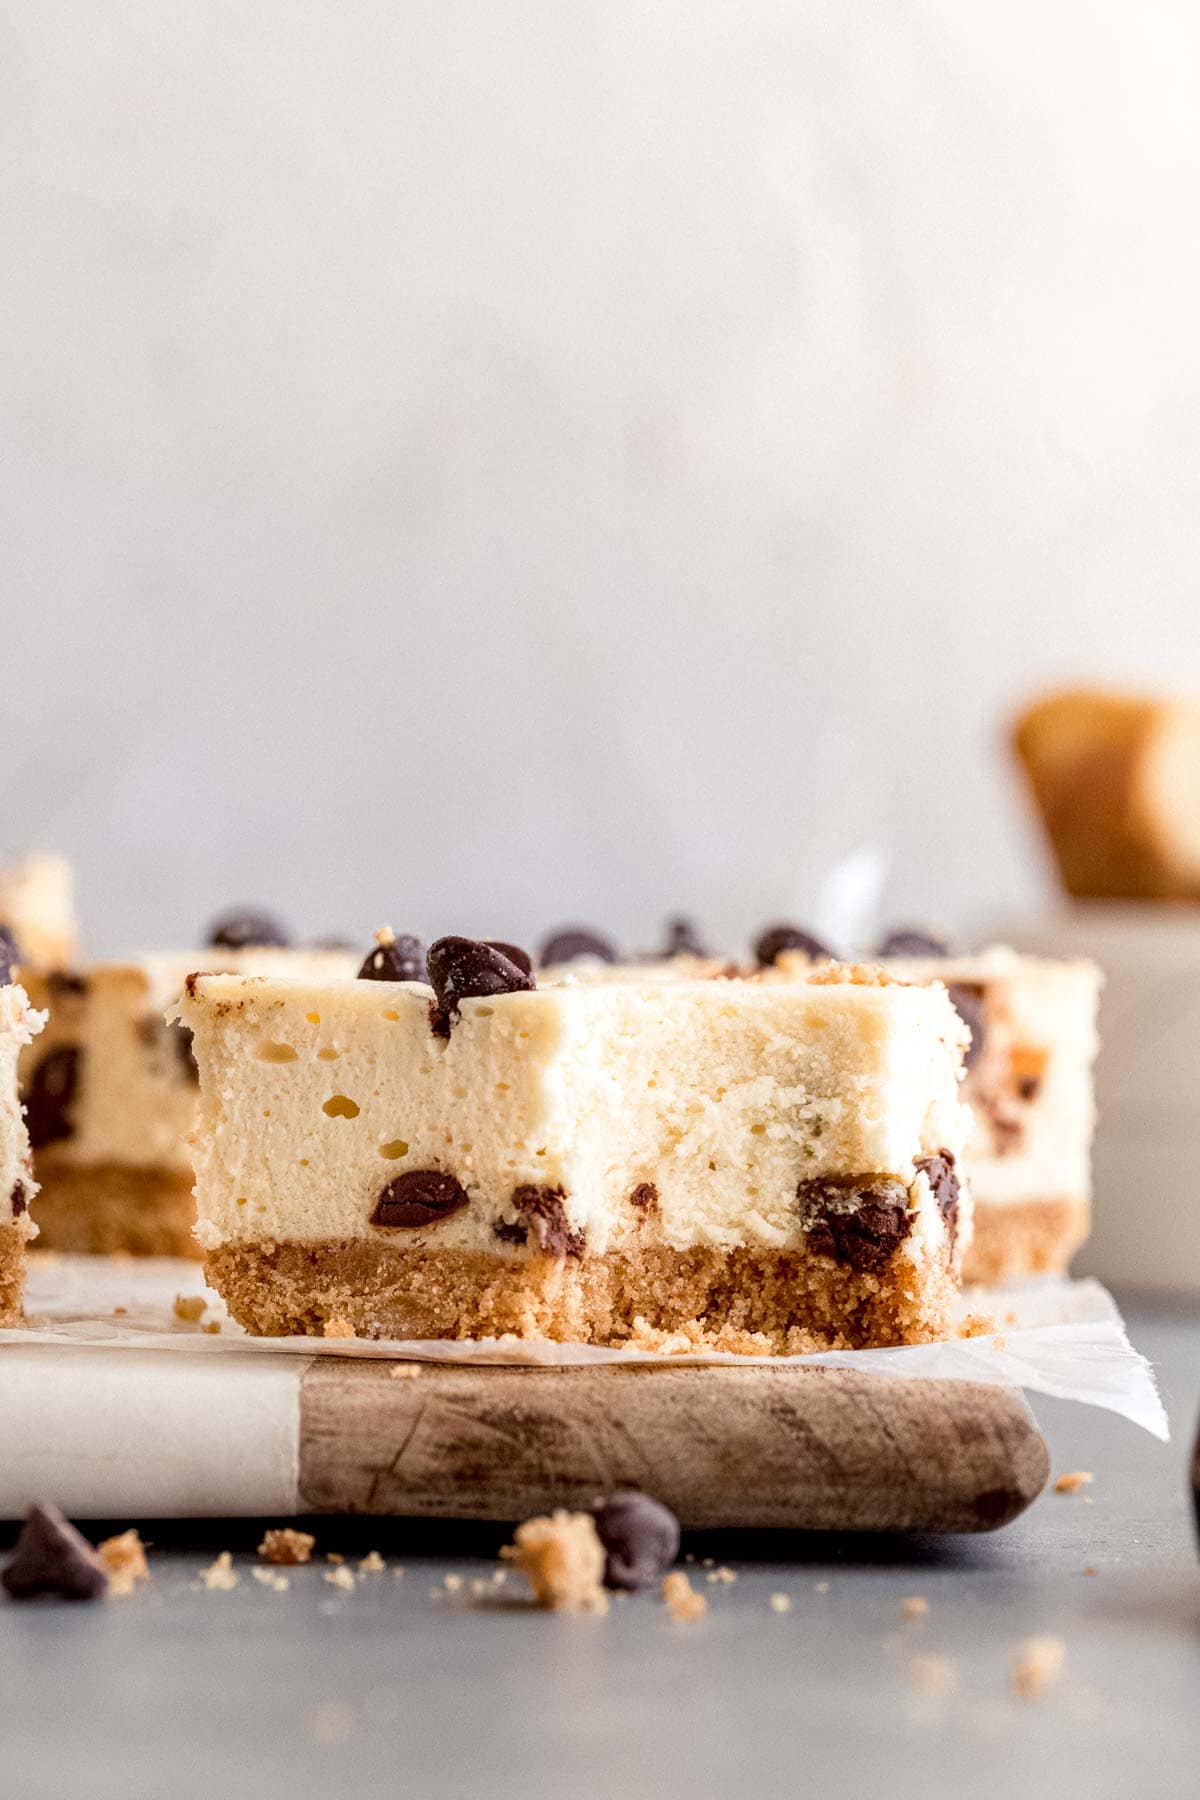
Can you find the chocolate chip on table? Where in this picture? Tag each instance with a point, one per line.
(778, 938)
(9, 954)
(683, 939)
(912, 943)
(574, 942)
(640, 1538)
(543, 1211)
(50, 1093)
(52, 1558)
(514, 953)
(418, 1197)
(466, 968)
(967, 1001)
(248, 929)
(395, 959)
(942, 1176)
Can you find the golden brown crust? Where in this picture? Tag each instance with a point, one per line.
(96, 1208)
(1025, 1237)
(12, 1275)
(757, 1302)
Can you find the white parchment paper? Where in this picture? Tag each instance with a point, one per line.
(1061, 1338)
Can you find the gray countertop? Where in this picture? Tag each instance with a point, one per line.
(401, 1687)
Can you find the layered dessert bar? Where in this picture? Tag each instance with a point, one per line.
(1029, 1088)
(745, 1165)
(19, 1023)
(110, 1094)
(37, 911)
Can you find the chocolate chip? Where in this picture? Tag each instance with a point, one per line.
(683, 939)
(248, 929)
(9, 954)
(574, 942)
(514, 953)
(17, 1199)
(640, 1538)
(1029, 1087)
(60, 983)
(644, 1196)
(401, 960)
(779, 938)
(50, 1093)
(509, 1233)
(52, 1558)
(181, 1038)
(967, 1001)
(543, 1212)
(912, 943)
(940, 1172)
(863, 1234)
(419, 1197)
(465, 968)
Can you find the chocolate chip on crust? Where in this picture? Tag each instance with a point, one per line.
(778, 938)
(394, 959)
(52, 1558)
(912, 943)
(640, 1538)
(861, 1226)
(419, 1197)
(942, 1177)
(50, 1094)
(248, 928)
(968, 1002)
(9, 954)
(467, 968)
(573, 942)
(543, 1212)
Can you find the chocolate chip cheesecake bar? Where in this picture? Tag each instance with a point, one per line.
(110, 1094)
(19, 1023)
(755, 1166)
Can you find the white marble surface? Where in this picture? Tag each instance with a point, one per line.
(478, 464)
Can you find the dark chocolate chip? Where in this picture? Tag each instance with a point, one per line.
(942, 1176)
(574, 942)
(419, 1197)
(509, 1233)
(644, 1196)
(465, 968)
(248, 929)
(543, 1212)
(401, 960)
(514, 953)
(9, 954)
(683, 939)
(912, 943)
(181, 1038)
(967, 1001)
(19, 1203)
(50, 1093)
(1029, 1086)
(52, 1558)
(640, 1538)
(864, 1234)
(778, 938)
(60, 983)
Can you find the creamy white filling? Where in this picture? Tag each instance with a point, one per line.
(19, 1024)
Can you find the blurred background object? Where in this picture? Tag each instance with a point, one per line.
(476, 466)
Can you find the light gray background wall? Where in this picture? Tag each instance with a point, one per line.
(474, 464)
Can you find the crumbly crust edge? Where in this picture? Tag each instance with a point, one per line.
(1014, 1238)
(99, 1208)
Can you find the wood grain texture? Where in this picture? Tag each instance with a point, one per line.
(799, 1448)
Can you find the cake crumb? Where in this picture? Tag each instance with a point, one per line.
(372, 1563)
(822, 1587)
(124, 1557)
(334, 1556)
(271, 1578)
(338, 1328)
(935, 1676)
(915, 1607)
(404, 1371)
(339, 1578)
(683, 1602)
(398, 1573)
(1072, 1482)
(189, 1308)
(1091, 1571)
(562, 1558)
(286, 1546)
(781, 1603)
(220, 1575)
(212, 1328)
(1036, 1666)
(723, 1575)
(330, 1724)
(453, 1584)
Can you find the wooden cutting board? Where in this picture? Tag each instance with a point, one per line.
(801, 1448)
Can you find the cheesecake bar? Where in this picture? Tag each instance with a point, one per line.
(1029, 1087)
(741, 1165)
(110, 1094)
(37, 911)
(19, 1023)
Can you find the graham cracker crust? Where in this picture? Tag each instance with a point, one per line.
(1025, 1237)
(757, 1302)
(98, 1208)
(12, 1275)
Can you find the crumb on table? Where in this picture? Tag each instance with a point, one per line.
(683, 1602)
(1073, 1481)
(1037, 1664)
(189, 1307)
(124, 1557)
(286, 1546)
(914, 1607)
(934, 1676)
(220, 1575)
(562, 1558)
(781, 1603)
(341, 1577)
